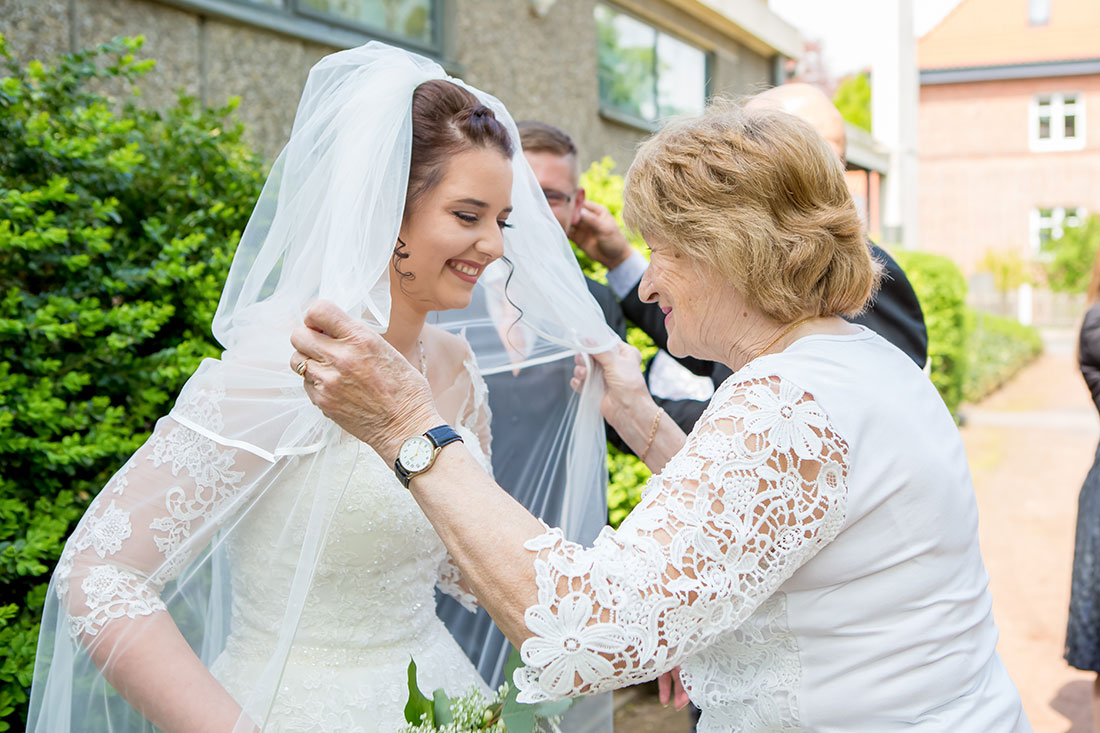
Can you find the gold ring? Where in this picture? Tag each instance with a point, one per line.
(301, 368)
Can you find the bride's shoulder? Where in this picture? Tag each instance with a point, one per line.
(444, 350)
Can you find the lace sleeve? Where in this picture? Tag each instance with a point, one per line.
(759, 487)
(154, 515)
(475, 414)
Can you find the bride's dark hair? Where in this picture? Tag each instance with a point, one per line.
(446, 120)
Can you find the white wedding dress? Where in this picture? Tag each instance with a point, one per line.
(370, 606)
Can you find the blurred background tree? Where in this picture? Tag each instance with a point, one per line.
(853, 99)
(1009, 271)
(1068, 260)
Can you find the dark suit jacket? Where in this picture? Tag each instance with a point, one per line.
(612, 313)
(1088, 352)
(895, 314)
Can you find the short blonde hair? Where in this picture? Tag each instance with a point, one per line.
(758, 196)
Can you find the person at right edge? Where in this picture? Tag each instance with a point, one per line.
(895, 313)
(1083, 627)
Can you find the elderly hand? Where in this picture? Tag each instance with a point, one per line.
(361, 382)
(598, 235)
(622, 373)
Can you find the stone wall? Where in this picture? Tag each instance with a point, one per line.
(540, 67)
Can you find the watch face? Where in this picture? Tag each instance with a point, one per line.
(416, 454)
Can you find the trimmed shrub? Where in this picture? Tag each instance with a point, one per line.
(941, 289)
(999, 347)
(117, 226)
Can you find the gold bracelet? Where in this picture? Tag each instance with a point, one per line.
(652, 434)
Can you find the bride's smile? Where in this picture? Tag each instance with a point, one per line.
(452, 231)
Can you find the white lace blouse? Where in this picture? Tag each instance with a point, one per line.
(810, 557)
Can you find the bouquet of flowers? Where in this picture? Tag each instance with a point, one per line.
(475, 712)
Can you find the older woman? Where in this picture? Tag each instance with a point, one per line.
(809, 553)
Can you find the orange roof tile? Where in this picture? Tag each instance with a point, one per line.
(997, 32)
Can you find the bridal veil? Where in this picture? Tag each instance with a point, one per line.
(154, 541)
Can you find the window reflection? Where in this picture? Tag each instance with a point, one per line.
(407, 18)
(645, 73)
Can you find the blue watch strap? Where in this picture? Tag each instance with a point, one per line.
(443, 435)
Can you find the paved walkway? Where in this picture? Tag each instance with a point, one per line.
(1030, 446)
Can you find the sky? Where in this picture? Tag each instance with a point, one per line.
(847, 27)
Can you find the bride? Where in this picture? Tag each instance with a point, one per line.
(254, 567)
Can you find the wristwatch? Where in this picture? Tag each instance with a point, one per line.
(417, 454)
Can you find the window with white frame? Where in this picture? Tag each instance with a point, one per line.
(1057, 121)
(646, 74)
(1049, 224)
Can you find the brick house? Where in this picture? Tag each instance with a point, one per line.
(1009, 154)
(562, 61)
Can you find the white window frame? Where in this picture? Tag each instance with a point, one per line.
(1057, 140)
(1060, 218)
(1038, 12)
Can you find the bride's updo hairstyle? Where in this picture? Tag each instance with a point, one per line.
(447, 120)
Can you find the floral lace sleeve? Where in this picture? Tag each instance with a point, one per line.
(475, 414)
(758, 489)
(156, 513)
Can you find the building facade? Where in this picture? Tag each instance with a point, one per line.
(1009, 154)
(606, 72)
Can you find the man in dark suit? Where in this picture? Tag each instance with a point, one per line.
(894, 313)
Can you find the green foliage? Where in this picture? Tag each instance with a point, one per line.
(1008, 268)
(941, 289)
(117, 225)
(853, 99)
(503, 713)
(1069, 260)
(999, 347)
(627, 474)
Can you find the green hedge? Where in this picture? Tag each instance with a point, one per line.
(117, 226)
(941, 289)
(999, 347)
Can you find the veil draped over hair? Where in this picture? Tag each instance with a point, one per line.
(155, 541)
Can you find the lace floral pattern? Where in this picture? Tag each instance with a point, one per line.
(691, 576)
(128, 585)
(450, 582)
(112, 592)
(213, 483)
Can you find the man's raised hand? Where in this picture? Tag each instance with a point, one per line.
(598, 235)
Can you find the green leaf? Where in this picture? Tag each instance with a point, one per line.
(519, 717)
(419, 708)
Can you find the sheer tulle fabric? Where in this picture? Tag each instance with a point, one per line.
(245, 469)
